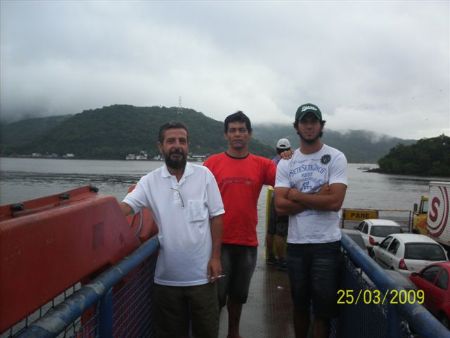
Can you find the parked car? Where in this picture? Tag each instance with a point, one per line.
(373, 231)
(435, 282)
(408, 253)
(397, 277)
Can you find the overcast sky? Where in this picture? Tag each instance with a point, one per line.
(382, 66)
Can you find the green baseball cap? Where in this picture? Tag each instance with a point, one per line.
(308, 108)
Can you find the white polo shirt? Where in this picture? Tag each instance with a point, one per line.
(182, 210)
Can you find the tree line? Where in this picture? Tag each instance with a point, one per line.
(426, 157)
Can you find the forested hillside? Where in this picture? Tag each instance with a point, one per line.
(427, 157)
(114, 131)
(28, 130)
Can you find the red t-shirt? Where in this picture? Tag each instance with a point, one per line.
(240, 181)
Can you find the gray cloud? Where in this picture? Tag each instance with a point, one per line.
(379, 66)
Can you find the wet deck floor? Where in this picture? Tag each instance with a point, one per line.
(268, 312)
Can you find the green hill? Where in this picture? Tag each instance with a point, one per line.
(26, 131)
(427, 157)
(114, 131)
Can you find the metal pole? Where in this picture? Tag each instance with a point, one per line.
(106, 315)
(393, 322)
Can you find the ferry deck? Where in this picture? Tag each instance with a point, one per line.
(117, 301)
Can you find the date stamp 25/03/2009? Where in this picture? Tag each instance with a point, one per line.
(369, 296)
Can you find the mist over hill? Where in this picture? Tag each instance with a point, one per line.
(114, 131)
(359, 146)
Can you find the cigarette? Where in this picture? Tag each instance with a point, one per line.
(218, 276)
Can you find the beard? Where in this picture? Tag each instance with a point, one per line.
(177, 163)
(310, 140)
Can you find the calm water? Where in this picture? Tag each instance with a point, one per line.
(23, 179)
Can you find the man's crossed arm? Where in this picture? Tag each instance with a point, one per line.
(290, 201)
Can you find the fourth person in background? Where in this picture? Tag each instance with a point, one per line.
(277, 225)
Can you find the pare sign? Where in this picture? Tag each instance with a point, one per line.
(438, 213)
(359, 214)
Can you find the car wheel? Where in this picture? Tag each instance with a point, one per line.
(444, 320)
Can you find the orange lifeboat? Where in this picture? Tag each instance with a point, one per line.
(49, 244)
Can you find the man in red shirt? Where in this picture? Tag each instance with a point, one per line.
(240, 176)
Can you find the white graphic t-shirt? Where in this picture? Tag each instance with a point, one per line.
(307, 173)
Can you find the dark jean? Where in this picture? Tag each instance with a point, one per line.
(314, 273)
(238, 264)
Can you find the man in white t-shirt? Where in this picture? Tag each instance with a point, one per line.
(187, 207)
(310, 188)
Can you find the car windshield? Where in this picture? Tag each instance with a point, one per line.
(424, 251)
(383, 231)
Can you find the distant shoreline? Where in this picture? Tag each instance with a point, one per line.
(380, 171)
(363, 165)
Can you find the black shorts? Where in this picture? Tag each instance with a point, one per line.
(277, 225)
(271, 227)
(314, 274)
(238, 264)
(278, 228)
(281, 229)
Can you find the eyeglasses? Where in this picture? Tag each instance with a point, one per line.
(179, 195)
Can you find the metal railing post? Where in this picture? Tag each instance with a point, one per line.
(106, 315)
(393, 322)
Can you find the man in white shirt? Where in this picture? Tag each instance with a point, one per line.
(187, 208)
(310, 187)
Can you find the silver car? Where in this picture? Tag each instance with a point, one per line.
(373, 231)
(407, 253)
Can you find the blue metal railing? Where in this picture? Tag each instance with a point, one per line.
(113, 308)
(98, 291)
(400, 318)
